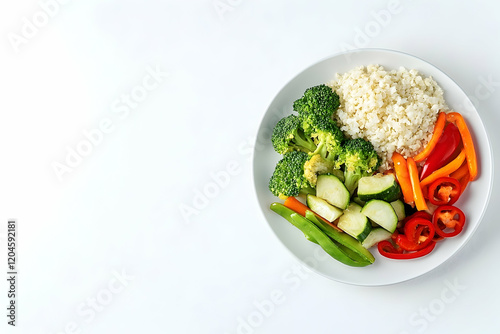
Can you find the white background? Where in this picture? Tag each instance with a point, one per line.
(105, 248)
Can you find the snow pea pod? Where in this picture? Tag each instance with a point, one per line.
(348, 244)
(313, 233)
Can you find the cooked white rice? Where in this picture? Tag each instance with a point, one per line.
(394, 110)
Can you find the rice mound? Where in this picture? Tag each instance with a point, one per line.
(394, 110)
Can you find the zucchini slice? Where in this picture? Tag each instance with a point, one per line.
(354, 207)
(323, 208)
(330, 188)
(354, 223)
(376, 235)
(381, 213)
(399, 208)
(379, 186)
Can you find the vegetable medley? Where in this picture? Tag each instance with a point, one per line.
(331, 188)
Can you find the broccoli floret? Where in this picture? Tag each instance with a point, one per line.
(317, 103)
(317, 166)
(360, 159)
(288, 136)
(288, 178)
(328, 138)
(316, 108)
(318, 99)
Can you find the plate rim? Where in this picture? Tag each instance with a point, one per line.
(427, 271)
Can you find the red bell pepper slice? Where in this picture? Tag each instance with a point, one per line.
(444, 191)
(417, 214)
(448, 144)
(422, 214)
(419, 233)
(427, 216)
(446, 218)
(386, 249)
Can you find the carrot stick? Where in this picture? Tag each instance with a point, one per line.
(418, 196)
(438, 130)
(461, 172)
(299, 207)
(296, 205)
(401, 169)
(470, 151)
(445, 170)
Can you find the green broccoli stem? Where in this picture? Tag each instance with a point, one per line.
(308, 191)
(322, 150)
(306, 143)
(351, 180)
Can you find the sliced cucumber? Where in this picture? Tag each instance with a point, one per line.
(376, 235)
(354, 223)
(330, 188)
(354, 208)
(323, 208)
(399, 208)
(381, 213)
(379, 186)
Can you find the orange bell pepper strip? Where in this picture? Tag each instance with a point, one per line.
(461, 172)
(470, 151)
(401, 169)
(445, 170)
(438, 131)
(418, 195)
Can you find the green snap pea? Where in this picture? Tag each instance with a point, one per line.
(357, 255)
(311, 239)
(348, 244)
(315, 233)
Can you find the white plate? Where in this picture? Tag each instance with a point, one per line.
(384, 271)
